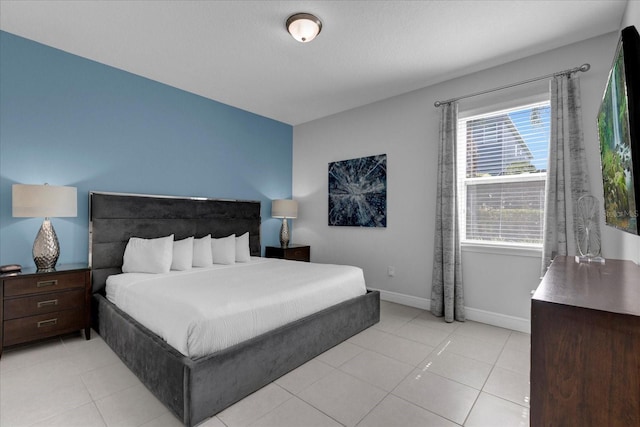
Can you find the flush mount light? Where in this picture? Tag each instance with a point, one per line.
(304, 27)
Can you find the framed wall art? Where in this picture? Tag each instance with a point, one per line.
(619, 134)
(358, 192)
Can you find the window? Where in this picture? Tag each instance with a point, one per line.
(502, 167)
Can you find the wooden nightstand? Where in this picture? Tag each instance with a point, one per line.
(39, 305)
(292, 252)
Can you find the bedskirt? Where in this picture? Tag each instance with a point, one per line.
(196, 389)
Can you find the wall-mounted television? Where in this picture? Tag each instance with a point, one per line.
(619, 134)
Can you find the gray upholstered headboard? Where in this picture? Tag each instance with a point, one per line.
(114, 218)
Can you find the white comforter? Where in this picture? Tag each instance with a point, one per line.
(204, 310)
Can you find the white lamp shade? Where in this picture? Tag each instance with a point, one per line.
(44, 201)
(284, 208)
(304, 27)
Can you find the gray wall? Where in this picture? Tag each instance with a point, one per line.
(497, 282)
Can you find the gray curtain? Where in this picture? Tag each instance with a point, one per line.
(447, 297)
(567, 174)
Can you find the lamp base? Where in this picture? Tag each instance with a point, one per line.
(46, 249)
(284, 233)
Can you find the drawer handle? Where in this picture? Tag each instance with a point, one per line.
(45, 283)
(49, 322)
(47, 303)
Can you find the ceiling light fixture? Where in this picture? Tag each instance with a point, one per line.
(304, 27)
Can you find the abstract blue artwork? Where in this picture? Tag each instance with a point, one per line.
(358, 192)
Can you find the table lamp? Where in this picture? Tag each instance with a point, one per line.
(284, 209)
(44, 201)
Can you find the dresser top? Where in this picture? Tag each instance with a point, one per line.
(612, 287)
(61, 268)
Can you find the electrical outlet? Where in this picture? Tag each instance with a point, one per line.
(391, 271)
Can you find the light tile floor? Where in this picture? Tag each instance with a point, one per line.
(411, 369)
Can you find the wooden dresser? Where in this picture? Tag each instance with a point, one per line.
(39, 305)
(585, 345)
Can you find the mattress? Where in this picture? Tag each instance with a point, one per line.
(204, 310)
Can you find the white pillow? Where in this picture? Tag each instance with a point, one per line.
(182, 254)
(223, 250)
(148, 255)
(243, 254)
(202, 252)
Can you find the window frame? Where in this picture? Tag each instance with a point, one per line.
(486, 246)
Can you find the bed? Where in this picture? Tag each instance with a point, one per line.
(196, 388)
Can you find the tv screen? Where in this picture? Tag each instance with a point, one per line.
(619, 134)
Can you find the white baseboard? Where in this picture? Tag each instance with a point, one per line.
(411, 301)
(497, 319)
(490, 318)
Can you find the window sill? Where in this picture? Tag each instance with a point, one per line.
(502, 249)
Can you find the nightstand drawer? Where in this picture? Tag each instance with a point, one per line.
(43, 283)
(28, 328)
(298, 254)
(43, 303)
(292, 252)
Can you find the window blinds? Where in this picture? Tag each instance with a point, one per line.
(502, 164)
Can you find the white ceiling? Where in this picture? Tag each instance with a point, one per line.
(239, 53)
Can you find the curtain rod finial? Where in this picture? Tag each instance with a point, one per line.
(585, 67)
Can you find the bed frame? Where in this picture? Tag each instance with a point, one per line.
(196, 389)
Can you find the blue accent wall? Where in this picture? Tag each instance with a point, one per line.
(67, 120)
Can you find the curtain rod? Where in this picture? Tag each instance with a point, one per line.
(584, 68)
